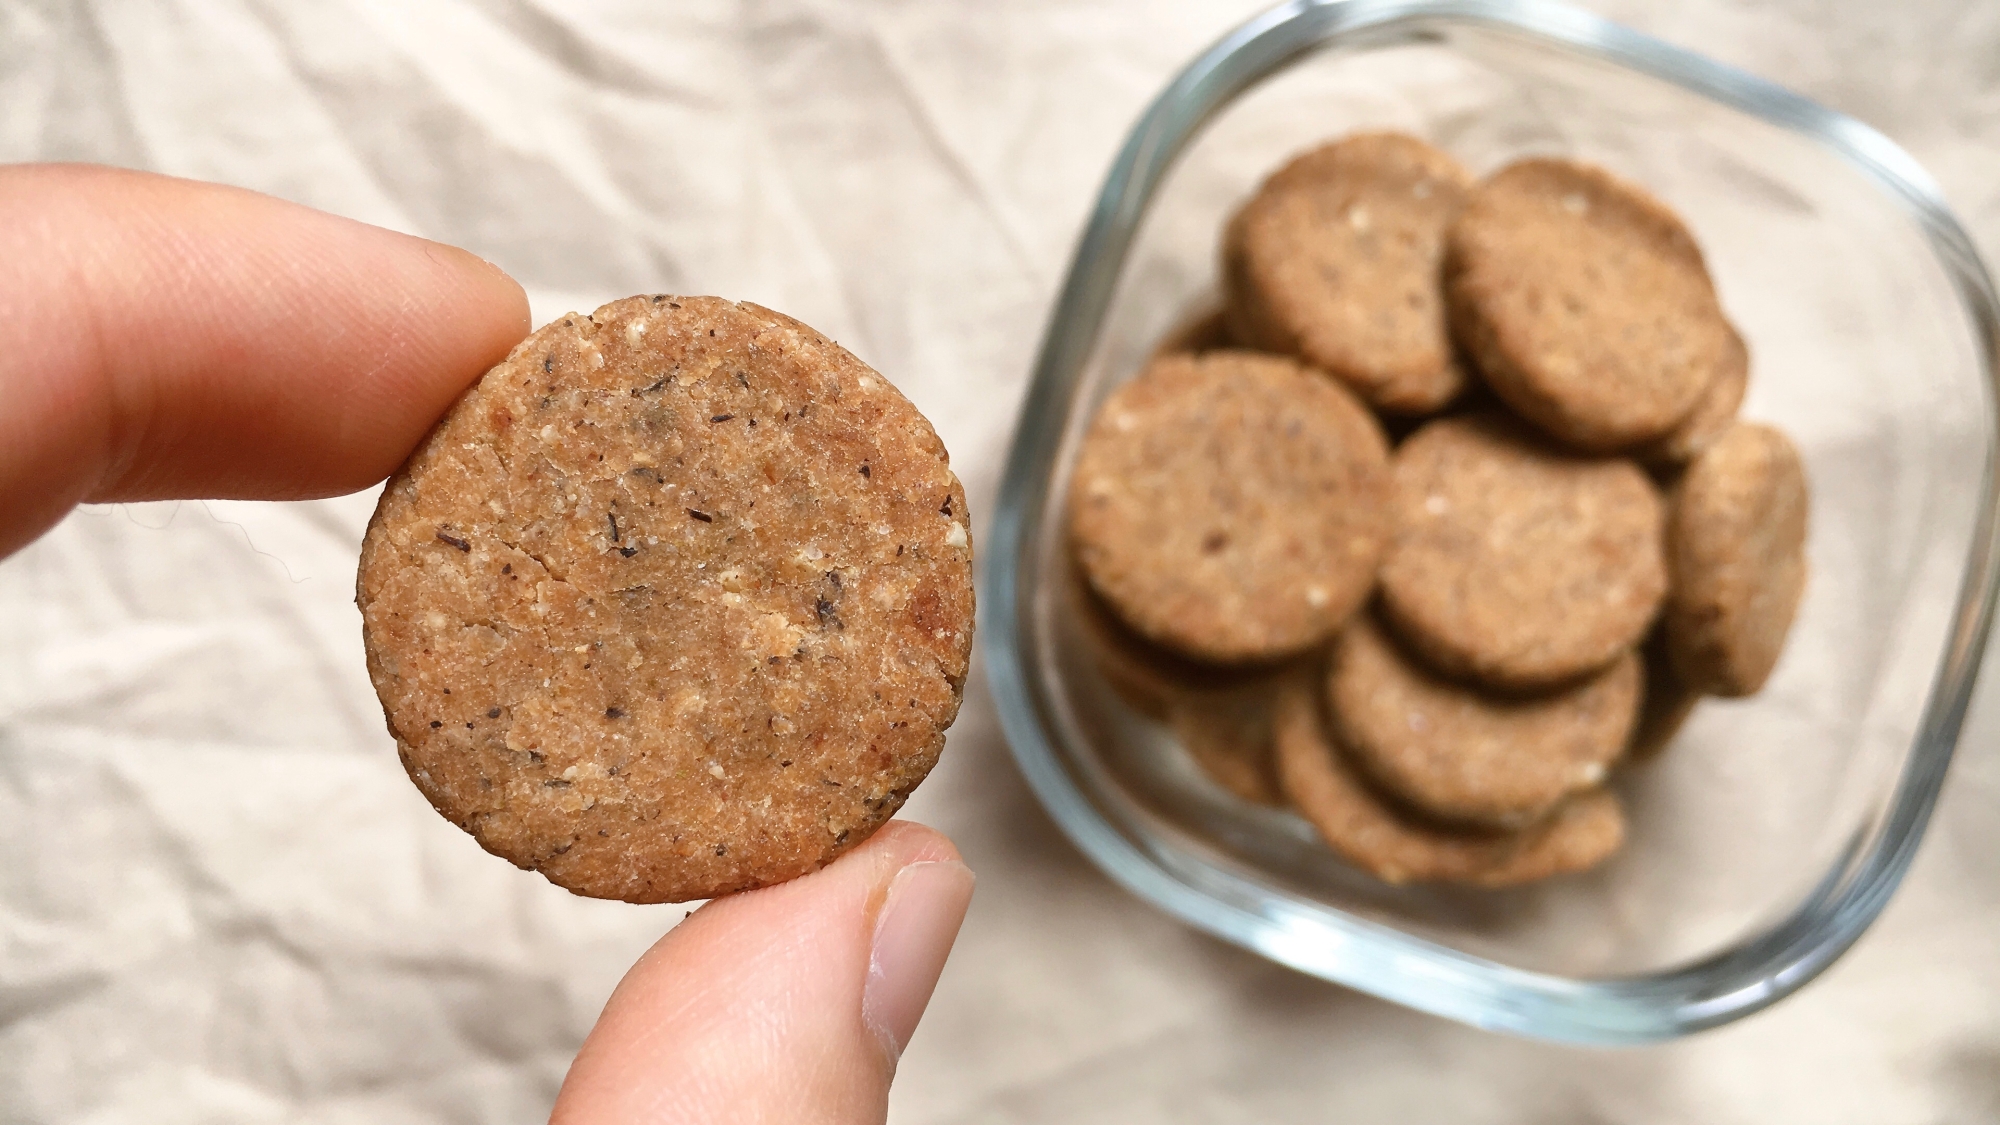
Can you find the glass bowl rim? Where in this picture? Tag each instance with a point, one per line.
(1354, 951)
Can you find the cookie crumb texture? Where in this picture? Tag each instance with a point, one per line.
(1516, 565)
(1231, 506)
(677, 601)
(1335, 259)
(1585, 302)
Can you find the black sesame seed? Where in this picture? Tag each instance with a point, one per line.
(702, 516)
(493, 713)
(454, 541)
(722, 417)
(864, 470)
(613, 713)
(435, 724)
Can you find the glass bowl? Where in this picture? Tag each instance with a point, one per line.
(1768, 836)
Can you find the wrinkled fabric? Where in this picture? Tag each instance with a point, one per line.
(221, 900)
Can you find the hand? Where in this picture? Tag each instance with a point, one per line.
(166, 339)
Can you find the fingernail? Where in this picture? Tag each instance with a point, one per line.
(913, 934)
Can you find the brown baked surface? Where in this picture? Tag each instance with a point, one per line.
(1469, 757)
(1515, 564)
(1231, 506)
(1336, 259)
(1713, 413)
(675, 602)
(1366, 831)
(1737, 542)
(1585, 303)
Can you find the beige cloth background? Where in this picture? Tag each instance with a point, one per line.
(222, 902)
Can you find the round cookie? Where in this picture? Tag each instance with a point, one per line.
(1517, 565)
(1231, 506)
(1465, 757)
(1585, 303)
(1367, 832)
(676, 601)
(1737, 548)
(1712, 416)
(1336, 259)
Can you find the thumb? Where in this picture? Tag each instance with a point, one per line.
(789, 1003)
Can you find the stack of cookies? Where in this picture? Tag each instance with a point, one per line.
(1437, 648)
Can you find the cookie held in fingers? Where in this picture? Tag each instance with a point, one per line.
(1336, 259)
(1516, 565)
(676, 601)
(1231, 506)
(1469, 757)
(1585, 303)
(1737, 541)
(1366, 831)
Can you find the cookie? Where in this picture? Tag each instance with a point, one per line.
(676, 601)
(1231, 506)
(1220, 715)
(1468, 757)
(1514, 564)
(1375, 837)
(1585, 303)
(1737, 539)
(1336, 260)
(1713, 414)
(1669, 701)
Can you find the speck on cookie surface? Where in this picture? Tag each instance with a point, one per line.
(676, 601)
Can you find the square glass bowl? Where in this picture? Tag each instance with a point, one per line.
(1770, 834)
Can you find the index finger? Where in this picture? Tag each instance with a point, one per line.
(165, 338)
